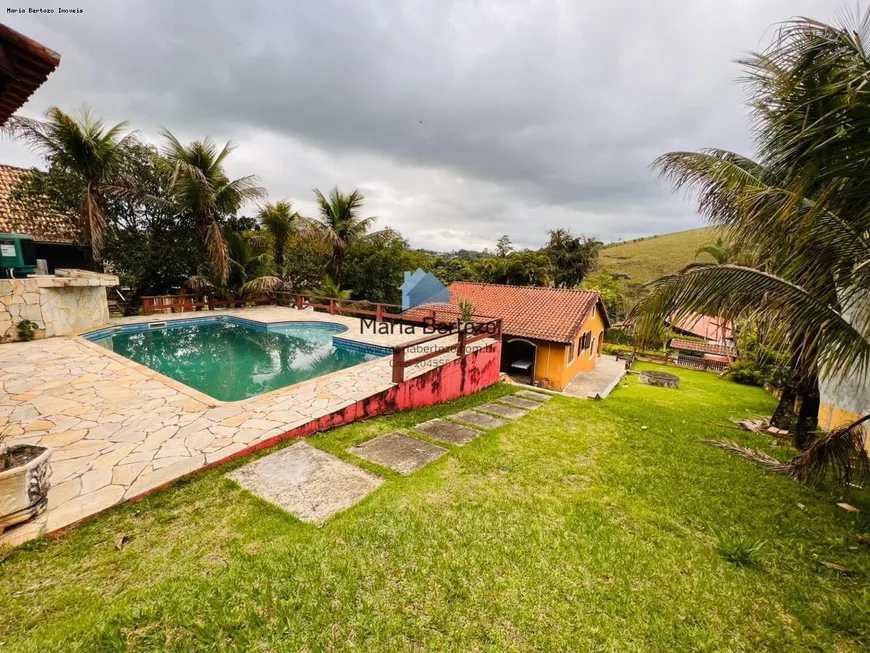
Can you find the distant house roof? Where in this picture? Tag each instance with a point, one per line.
(703, 347)
(704, 326)
(43, 225)
(553, 314)
(24, 66)
(715, 329)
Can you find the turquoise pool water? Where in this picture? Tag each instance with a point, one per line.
(231, 359)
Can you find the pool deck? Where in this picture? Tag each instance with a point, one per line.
(120, 430)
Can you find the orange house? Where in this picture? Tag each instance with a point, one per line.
(549, 334)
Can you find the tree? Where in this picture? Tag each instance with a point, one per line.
(720, 252)
(503, 247)
(201, 188)
(375, 270)
(279, 221)
(572, 257)
(607, 285)
(804, 208)
(341, 226)
(90, 152)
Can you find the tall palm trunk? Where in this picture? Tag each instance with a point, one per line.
(784, 414)
(808, 415)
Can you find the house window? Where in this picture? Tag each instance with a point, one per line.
(592, 348)
(570, 353)
(593, 310)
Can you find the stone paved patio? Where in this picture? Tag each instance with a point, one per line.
(398, 451)
(449, 432)
(310, 483)
(598, 383)
(534, 396)
(119, 429)
(480, 420)
(528, 404)
(502, 410)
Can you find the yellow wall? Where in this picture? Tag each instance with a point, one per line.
(830, 417)
(551, 360)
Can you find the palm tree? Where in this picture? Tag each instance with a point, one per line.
(329, 288)
(201, 187)
(279, 220)
(803, 209)
(87, 148)
(720, 252)
(341, 226)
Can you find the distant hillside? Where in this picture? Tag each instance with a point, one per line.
(645, 259)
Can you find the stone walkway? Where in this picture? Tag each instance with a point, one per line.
(598, 383)
(119, 429)
(314, 485)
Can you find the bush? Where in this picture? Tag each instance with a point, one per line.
(747, 373)
(739, 549)
(26, 329)
(618, 336)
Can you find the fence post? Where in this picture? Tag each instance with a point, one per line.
(331, 306)
(147, 305)
(379, 312)
(398, 364)
(463, 336)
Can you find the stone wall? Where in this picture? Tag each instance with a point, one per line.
(59, 305)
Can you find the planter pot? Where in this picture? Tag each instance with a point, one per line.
(24, 487)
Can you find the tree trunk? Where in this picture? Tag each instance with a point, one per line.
(808, 416)
(784, 413)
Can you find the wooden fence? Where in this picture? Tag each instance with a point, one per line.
(701, 364)
(184, 303)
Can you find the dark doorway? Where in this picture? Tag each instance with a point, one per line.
(518, 360)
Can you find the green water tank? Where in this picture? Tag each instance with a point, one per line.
(17, 255)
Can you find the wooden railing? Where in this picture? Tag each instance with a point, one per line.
(333, 306)
(466, 334)
(701, 364)
(183, 303)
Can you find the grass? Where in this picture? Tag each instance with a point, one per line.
(571, 528)
(649, 258)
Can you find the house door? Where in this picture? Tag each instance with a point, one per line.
(518, 360)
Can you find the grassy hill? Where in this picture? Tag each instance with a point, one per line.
(645, 259)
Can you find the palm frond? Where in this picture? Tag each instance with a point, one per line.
(218, 252)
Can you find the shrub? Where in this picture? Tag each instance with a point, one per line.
(747, 373)
(740, 549)
(26, 329)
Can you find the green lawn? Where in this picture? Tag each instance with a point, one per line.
(572, 528)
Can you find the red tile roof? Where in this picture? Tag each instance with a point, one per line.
(24, 66)
(553, 314)
(702, 347)
(44, 225)
(704, 326)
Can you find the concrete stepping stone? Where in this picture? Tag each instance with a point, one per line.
(398, 452)
(449, 432)
(307, 482)
(481, 420)
(528, 404)
(502, 410)
(535, 396)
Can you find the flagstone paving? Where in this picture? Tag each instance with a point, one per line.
(309, 483)
(502, 410)
(535, 396)
(528, 404)
(398, 451)
(480, 420)
(449, 432)
(119, 429)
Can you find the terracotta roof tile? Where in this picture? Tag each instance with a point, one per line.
(46, 226)
(24, 66)
(553, 314)
(702, 347)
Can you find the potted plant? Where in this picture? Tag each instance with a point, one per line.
(24, 472)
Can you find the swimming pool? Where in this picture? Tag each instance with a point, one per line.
(230, 358)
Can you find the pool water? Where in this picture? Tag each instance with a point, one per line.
(229, 360)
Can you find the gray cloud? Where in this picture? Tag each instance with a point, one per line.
(460, 120)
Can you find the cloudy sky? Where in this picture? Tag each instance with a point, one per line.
(459, 120)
